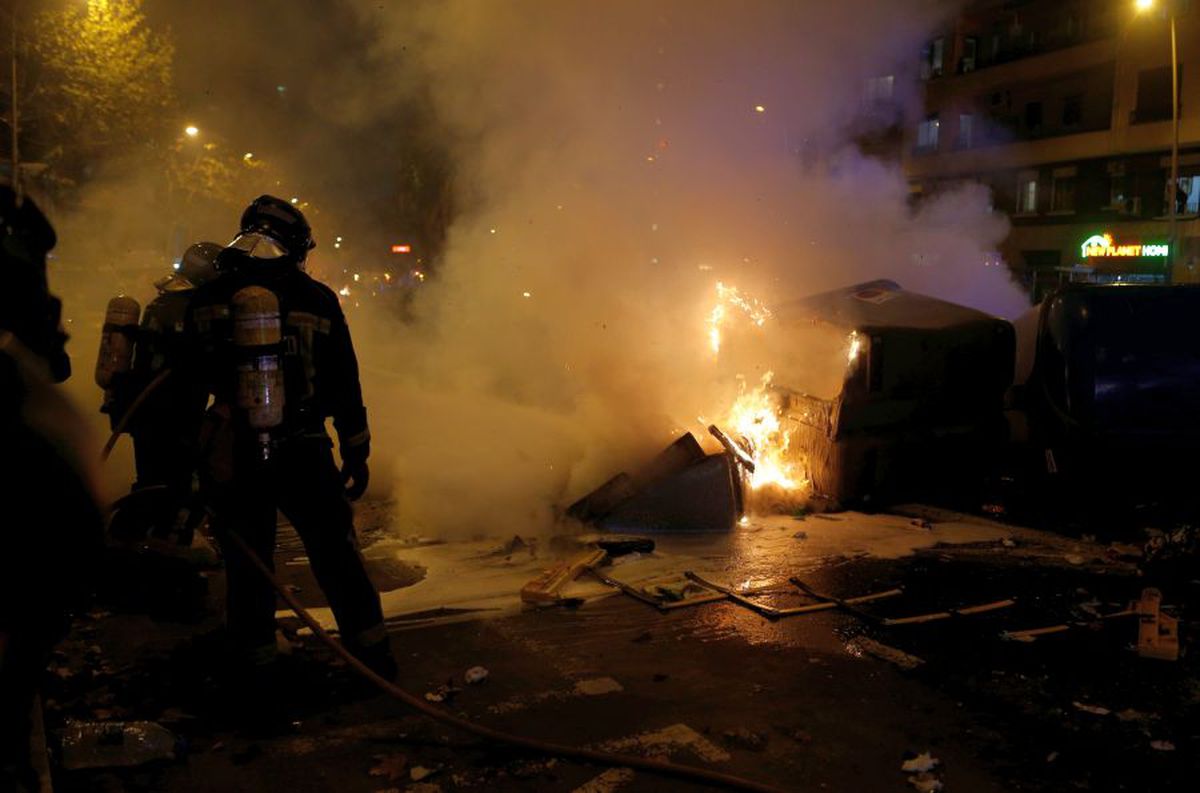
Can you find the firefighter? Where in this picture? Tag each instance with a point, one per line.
(50, 524)
(274, 348)
(166, 425)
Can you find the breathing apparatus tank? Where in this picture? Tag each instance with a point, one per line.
(258, 339)
(116, 342)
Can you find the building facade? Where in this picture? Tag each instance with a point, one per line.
(1063, 108)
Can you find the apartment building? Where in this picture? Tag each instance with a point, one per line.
(1063, 107)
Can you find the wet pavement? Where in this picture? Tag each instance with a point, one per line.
(798, 702)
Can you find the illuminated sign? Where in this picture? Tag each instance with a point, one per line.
(401, 249)
(1101, 246)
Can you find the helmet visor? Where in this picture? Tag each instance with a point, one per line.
(257, 245)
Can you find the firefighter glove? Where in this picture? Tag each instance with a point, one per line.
(355, 471)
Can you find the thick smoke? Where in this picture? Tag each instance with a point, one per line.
(613, 162)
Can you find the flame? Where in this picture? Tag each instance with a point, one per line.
(756, 417)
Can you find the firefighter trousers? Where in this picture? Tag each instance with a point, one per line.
(302, 481)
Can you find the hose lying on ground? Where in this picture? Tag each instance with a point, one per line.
(127, 416)
(688, 773)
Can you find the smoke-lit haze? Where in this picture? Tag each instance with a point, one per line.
(612, 162)
(614, 166)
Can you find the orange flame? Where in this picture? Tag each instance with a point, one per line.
(757, 418)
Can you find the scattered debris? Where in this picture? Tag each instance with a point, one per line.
(629, 557)
(1050, 758)
(419, 772)
(922, 762)
(597, 686)
(546, 588)
(922, 524)
(743, 738)
(1129, 714)
(921, 769)
(1031, 634)
(869, 646)
(1162, 746)
(443, 693)
(1008, 542)
(115, 744)
(1074, 558)
(610, 780)
(926, 783)
(475, 675)
(677, 736)
(800, 535)
(392, 766)
(1158, 633)
(1096, 710)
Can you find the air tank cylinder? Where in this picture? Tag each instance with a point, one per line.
(257, 337)
(116, 342)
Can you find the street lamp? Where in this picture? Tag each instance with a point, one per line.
(1173, 186)
(191, 130)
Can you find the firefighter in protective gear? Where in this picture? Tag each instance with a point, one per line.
(274, 451)
(166, 425)
(50, 522)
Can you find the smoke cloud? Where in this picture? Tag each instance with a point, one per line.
(614, 162)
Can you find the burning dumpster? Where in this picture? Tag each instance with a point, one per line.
(1109, 378)
(920, 411)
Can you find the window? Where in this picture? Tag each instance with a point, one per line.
(1118, 186)
(1154, 95)
(1062, 191)
(1072, 114)
(1033, 117)
(927, 133)
(880, 89)
(970, 53)
(1027, 194)
(966, 130)
(933, 58)
(1190, 185)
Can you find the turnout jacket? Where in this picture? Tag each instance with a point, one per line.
(320, 368)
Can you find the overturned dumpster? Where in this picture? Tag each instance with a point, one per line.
(683, 489)
(920, 412)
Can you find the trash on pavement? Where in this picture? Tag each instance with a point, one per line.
(1095, 710)
(926, 783)
(922, 762)
(476, 674)
(743, 738)
(547, 587)
(392, 766)
(1162, 746)
(113, 744)
(1158, 633)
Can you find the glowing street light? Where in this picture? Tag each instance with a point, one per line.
(248, 156)
(1143, 5)
(191, 130)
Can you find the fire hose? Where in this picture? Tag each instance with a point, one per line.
(594, 756)
(127, 416)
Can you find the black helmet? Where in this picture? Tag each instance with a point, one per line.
(198, 266)
(27, 309)
(272, 228)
